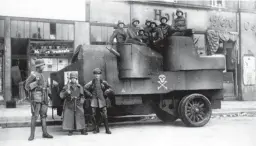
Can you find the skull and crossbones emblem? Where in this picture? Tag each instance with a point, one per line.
(162, 82)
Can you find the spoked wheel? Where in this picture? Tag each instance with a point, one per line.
(195, 110)
(163, 115)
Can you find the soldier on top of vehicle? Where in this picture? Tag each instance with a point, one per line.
(36, 86)
(165, 28)
(142, 35)
(156, 35)
(132, 32)
(120, 34)
(73, 114)
(147, 27)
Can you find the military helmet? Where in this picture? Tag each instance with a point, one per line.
(120, 22)
(147, 20)
(39, 62)
(141, 29)
(153, 22)
(134, 20)
(179, 10)
(163, 17)
(73, 75)
(97, 71)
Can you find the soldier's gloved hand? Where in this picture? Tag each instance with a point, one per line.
(68, 91)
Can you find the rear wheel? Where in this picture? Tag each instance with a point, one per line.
(195, 110)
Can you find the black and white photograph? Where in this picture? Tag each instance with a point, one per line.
(127, 72)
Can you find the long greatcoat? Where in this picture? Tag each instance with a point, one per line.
(73, 120)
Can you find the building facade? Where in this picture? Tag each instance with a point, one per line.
(232, 23)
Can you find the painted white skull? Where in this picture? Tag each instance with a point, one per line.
(162, 78)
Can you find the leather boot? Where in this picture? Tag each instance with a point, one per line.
(70, 133)
(84, 132)
(32, 129)
(106, 126)
(95, 126)
(44, 128)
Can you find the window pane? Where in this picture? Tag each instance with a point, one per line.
(65, 31)
(20, 31)
(96, 34)
(1, 74)
(27, 30)
(59, 31)
(199, 40)
(110, 32)
(40, 28)
(14, 28)
(104, 34)
(71, 32)
(33, 30)
(1, 28)
(46, 30)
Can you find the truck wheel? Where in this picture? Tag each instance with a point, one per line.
(163, 115)
(195, 110)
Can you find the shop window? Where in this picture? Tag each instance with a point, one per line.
(218, 3)
(26, 29)
(96, 34)
(52, 30)
(71, 32)
(200, 44)
(1, 28)
(64, 31)
(36, 31)
(46, 30)
(14, 27)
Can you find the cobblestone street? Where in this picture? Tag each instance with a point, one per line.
(222, 131)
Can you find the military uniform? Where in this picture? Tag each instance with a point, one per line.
(144, 37)
(96, 89)
(119, 34)
(165, 28)
(36, 86)
(147, 28)
(133, 32)
(180, 26)
(73, 113)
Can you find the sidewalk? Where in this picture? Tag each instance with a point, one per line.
(20, 116)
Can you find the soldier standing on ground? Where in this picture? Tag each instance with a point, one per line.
(73, 114)
(97, 90)
(36, 86)
(119, 34)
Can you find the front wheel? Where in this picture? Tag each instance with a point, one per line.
(195, 110)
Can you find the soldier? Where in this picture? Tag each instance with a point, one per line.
(132, 32)
(165, 28)
(97, 89)
(119, 33)
(156, 35)
(36, 86)
(143, 36)
(180, 24)
(147, 27)
(73, 113)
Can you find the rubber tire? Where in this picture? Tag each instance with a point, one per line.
(163, 115)
(186, 120)
(179, 106)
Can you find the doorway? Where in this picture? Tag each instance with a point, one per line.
(19, 70)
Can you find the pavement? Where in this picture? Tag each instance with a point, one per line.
(236, 131)
(20, 116)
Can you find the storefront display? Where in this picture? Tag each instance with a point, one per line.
(56, 54)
